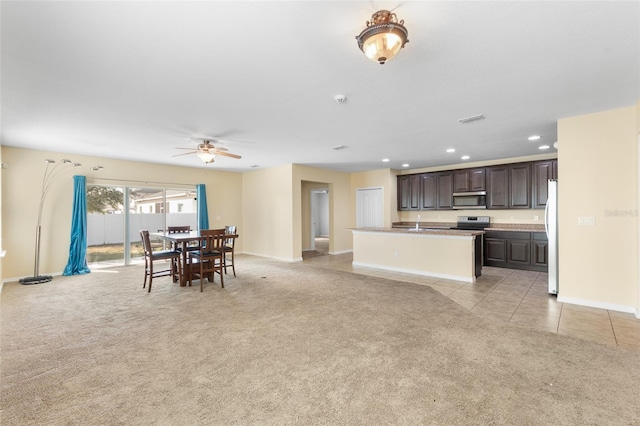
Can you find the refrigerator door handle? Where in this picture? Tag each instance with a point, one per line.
(546, 218)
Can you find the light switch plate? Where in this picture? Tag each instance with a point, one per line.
(586, 220)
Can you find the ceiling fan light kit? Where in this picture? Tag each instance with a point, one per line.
(206, 151)
(206, 157)
(384, 37)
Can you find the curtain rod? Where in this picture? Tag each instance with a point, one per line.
(143, 182)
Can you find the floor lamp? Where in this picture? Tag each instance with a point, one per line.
(50, 175)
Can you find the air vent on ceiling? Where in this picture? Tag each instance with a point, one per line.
(339, 147)
(470, 119)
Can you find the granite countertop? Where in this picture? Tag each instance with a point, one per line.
(422, 231)
(514, 227)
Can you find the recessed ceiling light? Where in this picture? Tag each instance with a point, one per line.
(534, 138)
(465, 157)
(385, 160)
(405, 165)
(544, 147)
(451, 150)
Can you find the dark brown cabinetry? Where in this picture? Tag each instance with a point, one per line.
(516, 250)
(542, 171)
(409, 192)
(429, 191)
(445, 190)
(498, 187)
(468, 180)
(509, 186)
(520, 186)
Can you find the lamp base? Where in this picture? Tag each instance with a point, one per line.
(36, 280)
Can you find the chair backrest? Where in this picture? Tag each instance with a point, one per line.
(212, 239)
(229, 229)
(177, 229)
(146, 242)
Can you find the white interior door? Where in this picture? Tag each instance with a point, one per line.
(369, 208)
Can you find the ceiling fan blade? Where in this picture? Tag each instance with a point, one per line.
(220, 148)
(227, 154)
(190, 149)
(185, 153)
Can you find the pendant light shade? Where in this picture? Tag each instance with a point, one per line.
(206, 157)
(383, 38)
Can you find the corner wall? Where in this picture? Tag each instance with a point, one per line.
(598, 179)
(268, 213)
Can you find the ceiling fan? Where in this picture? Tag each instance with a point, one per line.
(206, 151)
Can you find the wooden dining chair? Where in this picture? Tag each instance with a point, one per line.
(209, 256)
(230, 232)
(178, 229)
(150, 257)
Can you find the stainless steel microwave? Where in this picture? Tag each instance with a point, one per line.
(470, 200)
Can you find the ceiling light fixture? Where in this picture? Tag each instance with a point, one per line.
(465, 157)
(534, 138)
(385, 160)
(450, 150)
(544, 147)
(206, 157)
(405, 165)
(383, 38)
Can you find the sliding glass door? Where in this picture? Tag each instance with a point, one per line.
(114, 224)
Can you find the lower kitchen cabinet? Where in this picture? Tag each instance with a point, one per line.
(516, 250)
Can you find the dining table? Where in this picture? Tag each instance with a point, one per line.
(180, 240)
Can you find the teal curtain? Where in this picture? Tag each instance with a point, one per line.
(203, 215)
(77, 263)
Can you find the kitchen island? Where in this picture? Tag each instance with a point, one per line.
(439, 253)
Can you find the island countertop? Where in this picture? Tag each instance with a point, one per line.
(422, 231)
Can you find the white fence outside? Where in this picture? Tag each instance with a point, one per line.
(109, 228)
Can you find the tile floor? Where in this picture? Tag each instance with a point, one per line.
(515, 297)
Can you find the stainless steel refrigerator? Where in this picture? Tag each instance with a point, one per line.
(551, 228)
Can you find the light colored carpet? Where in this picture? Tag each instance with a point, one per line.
(290, 343)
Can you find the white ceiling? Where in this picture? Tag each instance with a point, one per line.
(135, 80)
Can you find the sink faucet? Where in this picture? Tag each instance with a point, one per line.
(418, 223)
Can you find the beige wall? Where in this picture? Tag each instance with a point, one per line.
(21, 189)
(598, 178)
(268, 213)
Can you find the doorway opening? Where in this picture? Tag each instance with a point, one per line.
(316, 223)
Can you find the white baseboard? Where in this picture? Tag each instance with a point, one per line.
(295, 259)
(600, 305)
(416, 272)
(341, 252)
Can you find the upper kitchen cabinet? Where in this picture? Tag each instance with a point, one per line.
(409, 192)
(469, 180)
(542, 171)
(509, 186)
(498, 187)
(445, 190)
(520, 186)
(429, 191)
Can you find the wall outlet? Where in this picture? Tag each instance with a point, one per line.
(586, 220)
(396, 254)
(535, 217)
